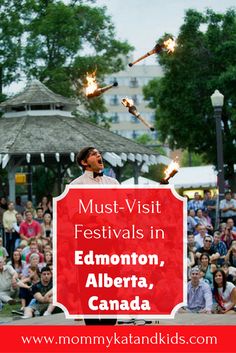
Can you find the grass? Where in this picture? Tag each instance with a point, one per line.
(6, 310)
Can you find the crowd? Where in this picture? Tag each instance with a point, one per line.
(26, 255)
(211, 254)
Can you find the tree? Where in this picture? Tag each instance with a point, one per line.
(58, 34)
(204, 60)
(10, 42)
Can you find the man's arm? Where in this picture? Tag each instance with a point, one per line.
(208, 298)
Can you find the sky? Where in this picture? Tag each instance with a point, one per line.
(142, 22)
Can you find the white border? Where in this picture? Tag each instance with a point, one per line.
(120, 316)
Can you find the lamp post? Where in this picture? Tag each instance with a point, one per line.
(217, 100)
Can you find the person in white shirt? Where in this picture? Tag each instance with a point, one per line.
(90, 159)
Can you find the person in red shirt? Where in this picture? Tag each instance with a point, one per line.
(30, 228)
(33, 247)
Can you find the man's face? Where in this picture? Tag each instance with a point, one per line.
(33, 248)
(230, 223)
(228, 197)
(190, 239)
(40, 213)
(29, 216)
(216, 238)
(46, 277)
(207, 242)
(196, 196)
(202, 230)
(94, 161)
(195, 277)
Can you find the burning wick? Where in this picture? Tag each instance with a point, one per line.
(168, 44)
(92, 90)
(170, 171)
(133, 110)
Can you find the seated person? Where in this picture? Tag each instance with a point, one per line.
(8, 283)
(207, 248)
(42, 292)
(224, 293)
(199, 294)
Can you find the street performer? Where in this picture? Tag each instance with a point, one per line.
(90, 159)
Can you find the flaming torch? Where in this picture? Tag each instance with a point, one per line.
(133, 110)
(92, 90)
(170, 171)
(168, 44)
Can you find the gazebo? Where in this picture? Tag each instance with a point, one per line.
(38, 128)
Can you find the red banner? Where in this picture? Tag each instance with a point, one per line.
(147, 339)
(119, 251)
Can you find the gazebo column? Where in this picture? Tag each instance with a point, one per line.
(29, 182)
(136, 172)
(11, 169)
(59, 179)
(118, 173)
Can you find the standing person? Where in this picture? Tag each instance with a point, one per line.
(90, 159)
(9, 219)
(209, 205)
(224, 293)
(195, 203)
(228, 207)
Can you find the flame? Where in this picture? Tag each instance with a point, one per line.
(91, 85)
(127, 102)
(170, 45)
(173, 166)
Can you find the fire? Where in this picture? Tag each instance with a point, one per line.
(127, 102)
(91, 85)
(170, 45)
(172, 169)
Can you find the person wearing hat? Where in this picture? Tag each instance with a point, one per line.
(199, 294)
(90, 159)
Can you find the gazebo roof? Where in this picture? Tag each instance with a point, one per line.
(50, 135)
(36, 93)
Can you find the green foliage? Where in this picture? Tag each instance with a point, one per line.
(58, 35)
(11, 30)
(43, 182)
(204, 60)
(192, 159)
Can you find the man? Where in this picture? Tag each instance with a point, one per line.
(30, 228)
(228, 207)
(9, 219)
(8, 283)
(209, 205)
(196, 203)
(33, 249)
(42, 292)
(39, 215)
(90, 159)
(201, 232)
(199, 294)
(219, 246)
(207, 248)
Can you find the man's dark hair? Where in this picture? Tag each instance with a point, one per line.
(45, 269)
(83, 154)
